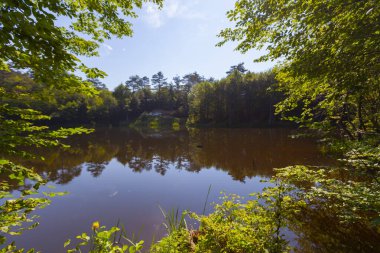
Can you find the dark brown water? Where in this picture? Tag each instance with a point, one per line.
(122, 174)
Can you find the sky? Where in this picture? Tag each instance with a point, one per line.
(177, 40)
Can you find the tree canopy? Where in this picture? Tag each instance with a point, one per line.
(237, 100)
(329, 69)
(328, 52)
(47, 38)
(32, 38)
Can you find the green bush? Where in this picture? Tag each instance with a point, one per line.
(176, 242)
(105, 241)
(236, 226)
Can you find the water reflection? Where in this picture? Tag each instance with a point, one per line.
(125, 174)
(242, 153)
(320, 232)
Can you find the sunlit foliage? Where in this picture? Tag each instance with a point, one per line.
(32, 40)
(329, 54)
(239, 99)
(329, 62)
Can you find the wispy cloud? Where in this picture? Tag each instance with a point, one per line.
(153, 16)
(108, 47)
(173, 9)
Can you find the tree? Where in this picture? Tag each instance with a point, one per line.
(235, 100)
(192, 79)
(145, 97)
(135, 83)
(97, 84)
(32, 41)
(122, 93)
(200, 102)
(177, 81)
(31, 38)
(159, 81)
(105, 107)
(330, 57)
(330, 72)
(240, 68)
(145, 81)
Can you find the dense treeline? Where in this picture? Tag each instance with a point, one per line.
(61, 105)
(125, 103)
(239, 99)
(139, 94)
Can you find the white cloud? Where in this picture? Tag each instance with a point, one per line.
(173, 9)
(153, 16)
(108, 47)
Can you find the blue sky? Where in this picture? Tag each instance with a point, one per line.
(177, 40)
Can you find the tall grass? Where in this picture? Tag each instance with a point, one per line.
(208, 194)
(174, 220)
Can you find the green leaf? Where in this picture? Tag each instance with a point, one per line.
(67, 243)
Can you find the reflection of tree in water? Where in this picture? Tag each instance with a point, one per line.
(63, 175)
(139, 164)
(242, 153)
(182, 163)
(321, 232)
(160, 165)
(245, 153)
(96, 169)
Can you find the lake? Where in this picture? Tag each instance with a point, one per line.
(123, 174)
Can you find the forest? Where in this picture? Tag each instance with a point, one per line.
(202, 101)
(326, 83)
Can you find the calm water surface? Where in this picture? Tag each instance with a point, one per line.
(123, 174)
